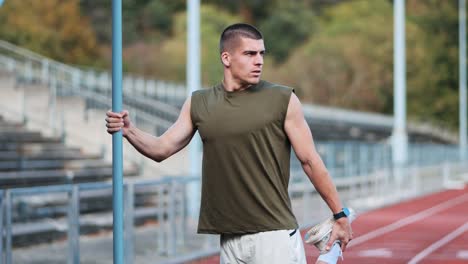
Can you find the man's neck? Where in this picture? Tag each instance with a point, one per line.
(234, 86)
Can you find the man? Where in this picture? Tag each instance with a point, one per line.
(247, 126)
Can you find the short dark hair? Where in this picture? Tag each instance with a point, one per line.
(234, 31)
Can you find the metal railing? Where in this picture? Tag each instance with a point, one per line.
(168, 210)
(33, 67)
(144, 98)
(73, 218)
(349, 158)
(60, 79)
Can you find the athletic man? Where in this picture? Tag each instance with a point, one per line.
(247, 126)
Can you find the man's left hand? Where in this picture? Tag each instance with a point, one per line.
(341, 231)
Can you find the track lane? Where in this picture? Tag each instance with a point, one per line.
(455, 252)
(404, 214)
(403, 244)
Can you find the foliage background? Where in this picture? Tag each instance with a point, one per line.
(334, 52)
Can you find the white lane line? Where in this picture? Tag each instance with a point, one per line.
(378, 252)
(462, 254)
(426, 252)
(408, 220)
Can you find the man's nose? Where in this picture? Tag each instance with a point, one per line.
(258, 59)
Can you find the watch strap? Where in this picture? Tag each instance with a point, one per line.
(343, 213)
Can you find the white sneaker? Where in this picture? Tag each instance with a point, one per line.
(320, 233)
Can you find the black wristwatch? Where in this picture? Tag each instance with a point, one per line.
(343, 213)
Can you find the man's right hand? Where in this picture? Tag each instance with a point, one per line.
(117, 121)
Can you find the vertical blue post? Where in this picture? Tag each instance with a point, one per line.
(117, 177)
(399, 136)
(193, 84)
(462, 62)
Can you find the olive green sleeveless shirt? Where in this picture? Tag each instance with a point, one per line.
(246, 155)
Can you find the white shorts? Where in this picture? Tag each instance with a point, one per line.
(271, 247)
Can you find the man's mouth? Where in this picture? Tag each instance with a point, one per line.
(257, 72)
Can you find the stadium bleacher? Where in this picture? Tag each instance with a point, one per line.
(27, 158)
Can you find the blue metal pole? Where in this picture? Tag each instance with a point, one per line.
(193, 84)
(462, 62)
(117, 177)
(399, 136)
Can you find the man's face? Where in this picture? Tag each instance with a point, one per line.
(246, 60)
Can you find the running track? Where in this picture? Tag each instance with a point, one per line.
(427, 230)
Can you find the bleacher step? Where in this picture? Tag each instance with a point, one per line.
(24, 139)
(46, 230)
(47, 155)
(44, 164)
(50, 177)
(34, 146)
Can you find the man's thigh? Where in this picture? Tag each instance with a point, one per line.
(272, 247)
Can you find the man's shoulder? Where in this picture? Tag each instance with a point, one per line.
(277, 87)
(204, 91)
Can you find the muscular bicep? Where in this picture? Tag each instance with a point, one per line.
(298, 131)
(181, 132)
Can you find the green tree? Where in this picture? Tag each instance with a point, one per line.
(349, 61)
(143, 20)
(53, 28)
(294, 18)
(248, 11)
(433, 91)
(171, 60)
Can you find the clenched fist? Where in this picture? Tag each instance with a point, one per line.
(117, 121)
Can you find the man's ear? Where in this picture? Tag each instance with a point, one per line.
(226, 59)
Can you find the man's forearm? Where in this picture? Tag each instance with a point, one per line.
(322, 182)
(146, 144)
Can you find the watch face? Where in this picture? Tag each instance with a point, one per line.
(346, 211)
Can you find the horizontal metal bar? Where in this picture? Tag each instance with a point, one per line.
(40, 190)
(165, 180)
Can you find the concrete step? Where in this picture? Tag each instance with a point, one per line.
(25, 149)
(13, 135)
(71, 154)
(55, 205)
(34, 146)
(12, 129)
(53, 177)
(48, 230)
(32, 138)
(10, 125)
(52, 164)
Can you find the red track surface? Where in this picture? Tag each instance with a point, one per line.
(429, 230)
